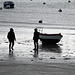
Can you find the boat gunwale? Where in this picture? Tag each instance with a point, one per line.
(44, 34)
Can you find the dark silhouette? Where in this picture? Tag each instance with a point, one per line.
(40, 21)
(60, 10)
(35, 38)
(69, 1)
(11, 38)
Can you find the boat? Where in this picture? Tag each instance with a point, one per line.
(8, 4)
(50, 38)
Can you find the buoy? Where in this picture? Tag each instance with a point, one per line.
(44, 3)
(69, 1)
(40, 21)
(59, 10)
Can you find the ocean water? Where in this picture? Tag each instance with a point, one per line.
(25, 17)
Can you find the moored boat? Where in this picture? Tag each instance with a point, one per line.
(8, 4)
(50, 38)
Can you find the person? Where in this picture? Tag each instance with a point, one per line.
(35, 38)
(11, 38)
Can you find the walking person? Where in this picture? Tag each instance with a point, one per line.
(35, 38)
(11, 38)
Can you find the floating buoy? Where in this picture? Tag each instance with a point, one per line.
(69, 1)
(44, 3)
(40, 21)
(59, 10)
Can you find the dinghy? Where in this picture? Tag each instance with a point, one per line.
(50, 38)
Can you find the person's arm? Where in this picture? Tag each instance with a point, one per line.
(33, 36)
(8, 35)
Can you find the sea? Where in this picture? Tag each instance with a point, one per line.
(25, 17)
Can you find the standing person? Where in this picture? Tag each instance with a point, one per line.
(11, 38)
(35, 38)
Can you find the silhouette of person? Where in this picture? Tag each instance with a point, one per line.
(35, 38)
(11, 38)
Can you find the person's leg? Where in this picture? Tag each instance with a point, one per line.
(9, 46)
(12, 45)
(34, 45)
(37, 47)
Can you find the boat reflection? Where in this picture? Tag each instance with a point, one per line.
(50, 48)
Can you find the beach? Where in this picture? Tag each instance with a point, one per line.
(56, 59)
(23, 61)
(37, 69)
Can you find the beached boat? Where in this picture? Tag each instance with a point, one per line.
(50, 38)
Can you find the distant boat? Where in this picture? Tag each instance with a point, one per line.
(50, 38)
(8, 4)
(7, 7)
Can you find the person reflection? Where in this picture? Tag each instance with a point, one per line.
(11, 37)
(35, 38)
(35, 54)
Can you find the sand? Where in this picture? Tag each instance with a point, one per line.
(16, 68)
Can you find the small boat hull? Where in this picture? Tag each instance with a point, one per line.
(50, 38)
(8, 4)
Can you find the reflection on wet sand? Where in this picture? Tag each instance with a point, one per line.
(51, 48)
(35, 55)
(11, 54)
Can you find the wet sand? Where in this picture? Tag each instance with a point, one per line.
(31, 66)
(37, 69)
(23, 61)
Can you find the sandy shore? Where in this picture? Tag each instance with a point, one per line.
(36, 66)
(17, 68)
(23, 62)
